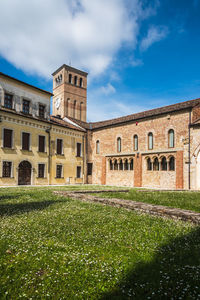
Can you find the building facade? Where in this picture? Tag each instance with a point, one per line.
(159, 148)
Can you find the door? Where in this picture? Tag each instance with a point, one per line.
(24, 173)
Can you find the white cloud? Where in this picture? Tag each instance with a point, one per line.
(108, 89)
(154, 34)
(39, 36)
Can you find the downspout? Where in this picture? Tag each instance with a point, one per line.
(83, 143)
(189, 150)
(49, 152)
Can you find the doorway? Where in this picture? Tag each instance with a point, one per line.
(24, 173)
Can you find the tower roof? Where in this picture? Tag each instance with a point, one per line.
(71, 69)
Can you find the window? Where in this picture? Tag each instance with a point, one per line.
(149, 164)
(97, 147)
(89, 168)
(41, 111)
(41, 145)
(150, 140)
(26, 106)
(164, 164)
(126, 164)
(78, 172)
(7, 138)
(81, 108)
(25, 141)
(70, 78)
(7, 169)
(75, 80)
(172, 164)
(119, 144)
(58, 171)
(59, 149)
(41, 168)
(156, 164)
(135, 142)
(131, 165)
(111, 165)
(8, 101)
(115, 165)
(121, 165)
(171, 138)
(81, 82)
(78, 149)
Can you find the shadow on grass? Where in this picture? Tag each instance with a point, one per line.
(10, 196)
(20, 208)
(174, 273)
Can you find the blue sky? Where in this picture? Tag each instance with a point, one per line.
(139, 54)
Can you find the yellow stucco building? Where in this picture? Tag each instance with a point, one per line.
(36, 149)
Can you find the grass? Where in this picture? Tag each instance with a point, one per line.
(183, 200)
(59, 248)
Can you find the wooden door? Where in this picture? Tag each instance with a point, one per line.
(24, 173)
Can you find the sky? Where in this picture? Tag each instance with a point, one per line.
(140, 54)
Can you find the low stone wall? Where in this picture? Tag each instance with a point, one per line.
(158, 210)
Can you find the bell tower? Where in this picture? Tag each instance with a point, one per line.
(70, 93)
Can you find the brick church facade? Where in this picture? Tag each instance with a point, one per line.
(159, 148)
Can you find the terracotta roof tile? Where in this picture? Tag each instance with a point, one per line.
(58, 121)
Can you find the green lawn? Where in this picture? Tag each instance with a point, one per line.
(183, 200)
(58, 248)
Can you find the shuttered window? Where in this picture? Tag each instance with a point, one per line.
(78, 172)
(59, 146)
(7, 138)
(89, 168)
(78, 149)
(7, 167)
(41, 143)
(25, 141)
(59, 171)
(41, 168)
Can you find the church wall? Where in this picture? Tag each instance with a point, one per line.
(159, 126)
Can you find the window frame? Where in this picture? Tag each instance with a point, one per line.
(44, 106)
(62, 146)
(77, 152)
(97, 147)
(12, 98)
(61, 174)
(12, 137)
(43, 170)
(28, 101)
(119, 144)
(80, 168)
(169, 139)
(11, 169)
(150, 135)
(135, 139)
(30, 149)
(40, 135)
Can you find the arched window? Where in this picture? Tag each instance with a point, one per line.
(150, 140)
(115, 165)
(111, 165)
(171, 138)
(121, 165)
(126, 164)
(97, 147)
(70, 78)
(164, 164)
(135, 142)
(172, 164)
(68, 102)
(81, 82)
(119, 144)
(75, 80)
(131, 164)
(74, 110)
(149, 164)
(156, 164)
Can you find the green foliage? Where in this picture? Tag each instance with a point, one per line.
(59, 248)
(176, 199)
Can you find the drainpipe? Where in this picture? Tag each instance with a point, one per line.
(49, 152)
(189, 150)
(83, 143)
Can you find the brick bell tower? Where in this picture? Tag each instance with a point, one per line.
(70, 93)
